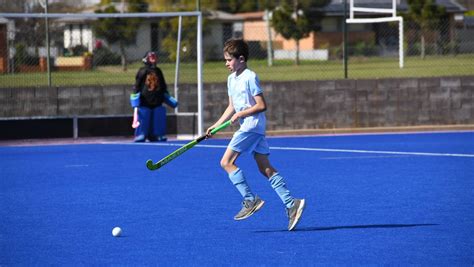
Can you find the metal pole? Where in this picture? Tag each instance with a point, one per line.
(269, 39)
(47, 44)
(75, 127)
(199, 75)
(344, 40)
(178, 50)
(400, 43)
(199, 70)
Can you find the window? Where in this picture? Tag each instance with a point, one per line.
(329, 25)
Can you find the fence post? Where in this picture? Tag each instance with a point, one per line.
(344, 38)
(75, 127)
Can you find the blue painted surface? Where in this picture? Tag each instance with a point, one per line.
(58, 204)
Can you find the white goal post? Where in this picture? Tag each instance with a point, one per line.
(199, 41)
(393, 17)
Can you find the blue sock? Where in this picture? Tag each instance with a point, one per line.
(278, 184)
(238, 179)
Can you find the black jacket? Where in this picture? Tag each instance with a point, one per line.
(150, 99)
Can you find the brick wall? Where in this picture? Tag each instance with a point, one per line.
(360, 103)
(297, 105)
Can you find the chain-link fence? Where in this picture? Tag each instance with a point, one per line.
(97, 51)
(93, 51)
(372, 51)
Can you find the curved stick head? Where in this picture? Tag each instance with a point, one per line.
(151, 166)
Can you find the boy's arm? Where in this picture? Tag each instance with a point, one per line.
(224, 117)
(260, 106)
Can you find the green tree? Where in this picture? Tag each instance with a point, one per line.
(182, 5)
(296, 19)
(237, 6)
(427, 15)
(170, 36)
(119, 30)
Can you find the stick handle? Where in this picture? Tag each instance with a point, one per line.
(154, 166)
(215, 130)
(220, 127)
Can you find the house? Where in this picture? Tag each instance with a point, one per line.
(255, 27)
(219, 27)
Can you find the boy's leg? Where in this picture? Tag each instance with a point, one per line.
(158, 122)
(294, 207)
(144, 116)
(276, 180)
(251, 203)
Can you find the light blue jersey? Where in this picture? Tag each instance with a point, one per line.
(242, 89)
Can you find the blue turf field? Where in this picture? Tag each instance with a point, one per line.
(392, 199)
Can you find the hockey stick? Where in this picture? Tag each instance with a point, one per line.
(154, 166)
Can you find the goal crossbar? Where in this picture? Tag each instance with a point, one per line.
(102, 15)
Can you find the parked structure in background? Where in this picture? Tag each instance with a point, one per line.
(220, 26)
(74, 37)
(384, 36)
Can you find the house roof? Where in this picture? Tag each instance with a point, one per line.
(257, 15)
(218, 15)
(214, 15)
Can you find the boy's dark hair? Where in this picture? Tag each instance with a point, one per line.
(237, 48)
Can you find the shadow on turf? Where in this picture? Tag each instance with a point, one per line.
(331, 228)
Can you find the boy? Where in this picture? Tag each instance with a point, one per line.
(247, 105)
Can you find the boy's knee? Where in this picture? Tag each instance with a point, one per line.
(224, 163)
(227, 165)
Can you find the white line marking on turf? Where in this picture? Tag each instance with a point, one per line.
(429, 154)
(366, 157)
(76, 166)
(374, 152)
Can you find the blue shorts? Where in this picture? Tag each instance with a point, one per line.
(249, 142)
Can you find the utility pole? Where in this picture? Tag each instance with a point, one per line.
(344, 39)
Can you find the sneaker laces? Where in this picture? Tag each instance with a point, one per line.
(288, 211)
(246, 203)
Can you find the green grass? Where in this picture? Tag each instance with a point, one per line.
(282, 70)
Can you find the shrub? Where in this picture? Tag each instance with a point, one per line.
(103, 56)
